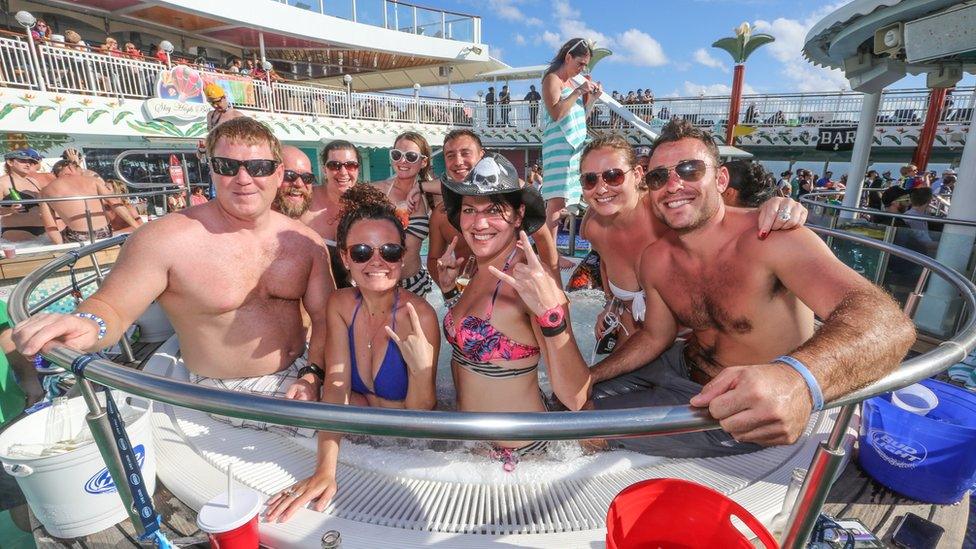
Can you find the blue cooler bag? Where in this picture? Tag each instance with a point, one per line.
(929, 458)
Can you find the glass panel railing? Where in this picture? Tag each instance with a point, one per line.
(310, 5)
(430, 22)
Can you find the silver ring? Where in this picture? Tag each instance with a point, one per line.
(289, 493)
(785, 215)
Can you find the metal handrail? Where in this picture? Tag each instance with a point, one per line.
(480, 425)
(170, 189)
(808, 200)
(658, 420)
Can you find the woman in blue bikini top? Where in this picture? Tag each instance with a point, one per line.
(382, 341)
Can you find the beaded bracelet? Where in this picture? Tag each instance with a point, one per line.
(102, 327)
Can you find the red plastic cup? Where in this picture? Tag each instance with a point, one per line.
(231, 526)
(9, 251)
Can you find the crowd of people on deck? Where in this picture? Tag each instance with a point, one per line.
(331, 302)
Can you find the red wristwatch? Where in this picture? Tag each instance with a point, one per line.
(552, 318)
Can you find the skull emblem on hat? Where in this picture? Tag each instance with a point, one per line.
(487, 174)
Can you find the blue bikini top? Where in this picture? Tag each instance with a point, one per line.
(391, 379)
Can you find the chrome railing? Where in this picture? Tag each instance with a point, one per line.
(508, 425)
(16, 65)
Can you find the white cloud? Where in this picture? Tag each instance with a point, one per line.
(518, 39)
(788, 47)
(631, 46)
(692, 89)
(702, 57)
(639, 48)
(509, 10)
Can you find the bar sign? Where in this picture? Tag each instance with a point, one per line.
(836, 139)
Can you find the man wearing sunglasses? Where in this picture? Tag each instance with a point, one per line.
(222, 111)
(753, 359)
(230, 274)
(295, 193)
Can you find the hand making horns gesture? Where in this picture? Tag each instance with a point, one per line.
(448, 267)
(415, 348)
(533, 283)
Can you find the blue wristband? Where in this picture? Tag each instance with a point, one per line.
(102, 327)
(815, 393)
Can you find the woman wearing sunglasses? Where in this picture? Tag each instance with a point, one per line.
(619, 223)
(341, 162)
(564, 121)
(497, 337)
(382, 341)
(22, 181)
(410, 159)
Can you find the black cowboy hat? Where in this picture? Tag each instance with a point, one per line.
(492, 175)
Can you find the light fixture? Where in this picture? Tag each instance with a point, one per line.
(26, 19)
(166, 46)
(347, 79)
(266, 65)
(416, 86)
(475, 50)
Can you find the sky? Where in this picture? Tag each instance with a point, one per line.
(661, 44)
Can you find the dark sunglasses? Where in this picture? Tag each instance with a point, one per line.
(687, 170)
(335, 165)
(613, 177)
(410, 156)
(390, 252)
(291, 176)
(255, 168)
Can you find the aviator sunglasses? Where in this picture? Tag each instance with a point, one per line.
(612, 177)
(291, 176)
(410, 157)
(390, 252)
(687, 170)
(335, 165)
(255, 168)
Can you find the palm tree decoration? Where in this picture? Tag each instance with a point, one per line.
(740, 47)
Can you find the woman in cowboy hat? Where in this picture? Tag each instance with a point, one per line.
(498, 337)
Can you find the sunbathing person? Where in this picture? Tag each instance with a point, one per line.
(619, 224)
(230, 275)
(497, 338)
(753, 358)
(71, 181)
(21, 180)
(382, 343)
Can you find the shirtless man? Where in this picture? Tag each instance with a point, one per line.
(222, 111)
(230, 275)
(462, 151)
(341, 163)
(748, 302)
(71, 181)
(295, 193)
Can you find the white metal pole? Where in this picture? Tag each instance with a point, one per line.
(261, 48)
(33, 55)
(862, 151)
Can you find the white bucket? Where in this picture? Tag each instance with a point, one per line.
(72, 494)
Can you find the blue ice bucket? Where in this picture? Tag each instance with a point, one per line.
(930, 458)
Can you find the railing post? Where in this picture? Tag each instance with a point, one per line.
(386, 23)
(354, 16)
(32, 56)
(41, 79)
(443, 25)
(415, 19)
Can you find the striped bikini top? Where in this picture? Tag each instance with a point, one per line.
(475, 342)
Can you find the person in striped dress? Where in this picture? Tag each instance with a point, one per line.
(565, 128)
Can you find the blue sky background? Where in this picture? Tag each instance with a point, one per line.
(661, 44)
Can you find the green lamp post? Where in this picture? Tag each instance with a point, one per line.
(740, 47)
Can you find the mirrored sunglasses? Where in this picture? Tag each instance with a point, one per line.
(390, 252)
(612, 177)
(687, 170)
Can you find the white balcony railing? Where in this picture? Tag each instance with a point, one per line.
(68, 70)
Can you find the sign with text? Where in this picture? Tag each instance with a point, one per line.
(837, 139)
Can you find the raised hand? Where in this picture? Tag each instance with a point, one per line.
(533, 283)
(413, 199)
(415, 348)
(448, 267)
